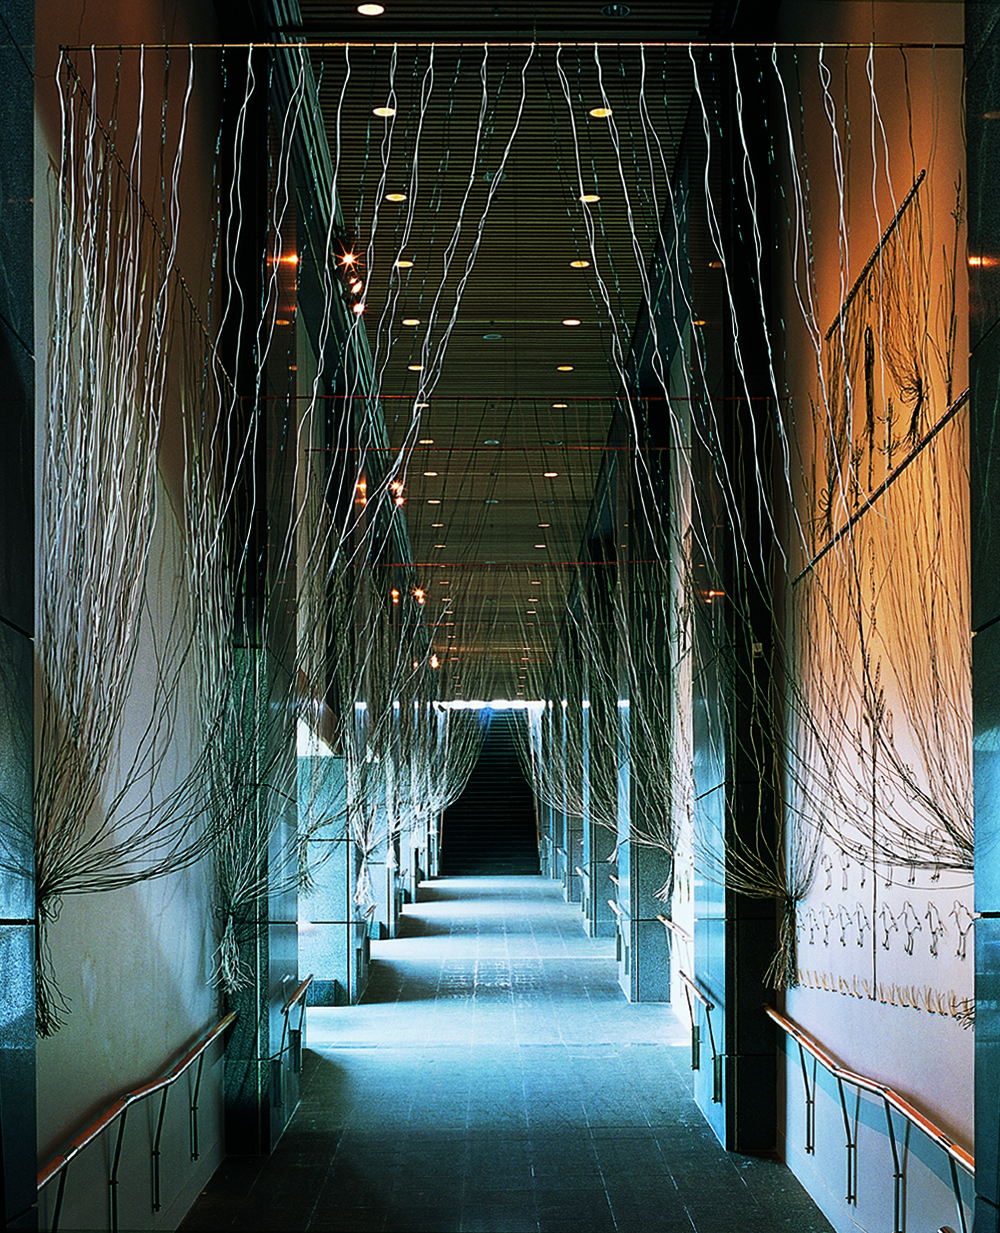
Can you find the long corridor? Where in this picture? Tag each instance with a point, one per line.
(495, 1079)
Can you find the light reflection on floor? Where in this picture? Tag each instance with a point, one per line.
(495, 1078)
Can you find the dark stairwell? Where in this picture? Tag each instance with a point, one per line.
(490, 830)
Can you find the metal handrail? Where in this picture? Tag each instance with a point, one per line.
(294, 1035)
(695, 990)
(667, 923)
(297, 996)
(958, 1157)
(118, 1111)
(691, 988)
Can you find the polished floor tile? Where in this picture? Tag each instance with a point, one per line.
(495, 1079)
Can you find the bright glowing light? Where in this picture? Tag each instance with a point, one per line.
(550, 474)
(385, 112)
(564, 368)
(371, 10)
(415, 367)
(600, 113)
(395, 196)
(559, 406)
(590, 198)
(580, 264)
(403, 264)
(359, 309)
(411, 321)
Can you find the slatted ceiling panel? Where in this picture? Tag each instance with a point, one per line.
(491, 498)
(476, 21)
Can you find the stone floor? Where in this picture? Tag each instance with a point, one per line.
(495, 1078)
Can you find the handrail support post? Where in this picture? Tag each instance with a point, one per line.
(852, 1147)
(155, 1154)
(113, 1175)
(810, 1098)
(963, 1225)
(194, 1108)
(897, 1173)
(60, 1193)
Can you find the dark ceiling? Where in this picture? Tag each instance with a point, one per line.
(513, 405)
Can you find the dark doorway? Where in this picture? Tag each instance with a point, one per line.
(491, 828)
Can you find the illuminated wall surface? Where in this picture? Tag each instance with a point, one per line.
(744, 656)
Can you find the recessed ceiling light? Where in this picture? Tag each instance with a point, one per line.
(491, 441)
(384, 111)
(490, 501)
(580, 264)
(440, 545)
(698, 321)
(564, 367)
(429, 473)
(437, 524)
(371, 10)
(571, 320)
(433, 501)
(403, 264)
(415, 367)
(539, 545)
(395, 196)
(545, 524)
(589, 198)
(559, 406)
(420, 406)
(600, 113)
(411, 321)
(536, 583)
(425, 440)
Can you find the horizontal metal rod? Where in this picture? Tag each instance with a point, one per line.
(696, 45)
